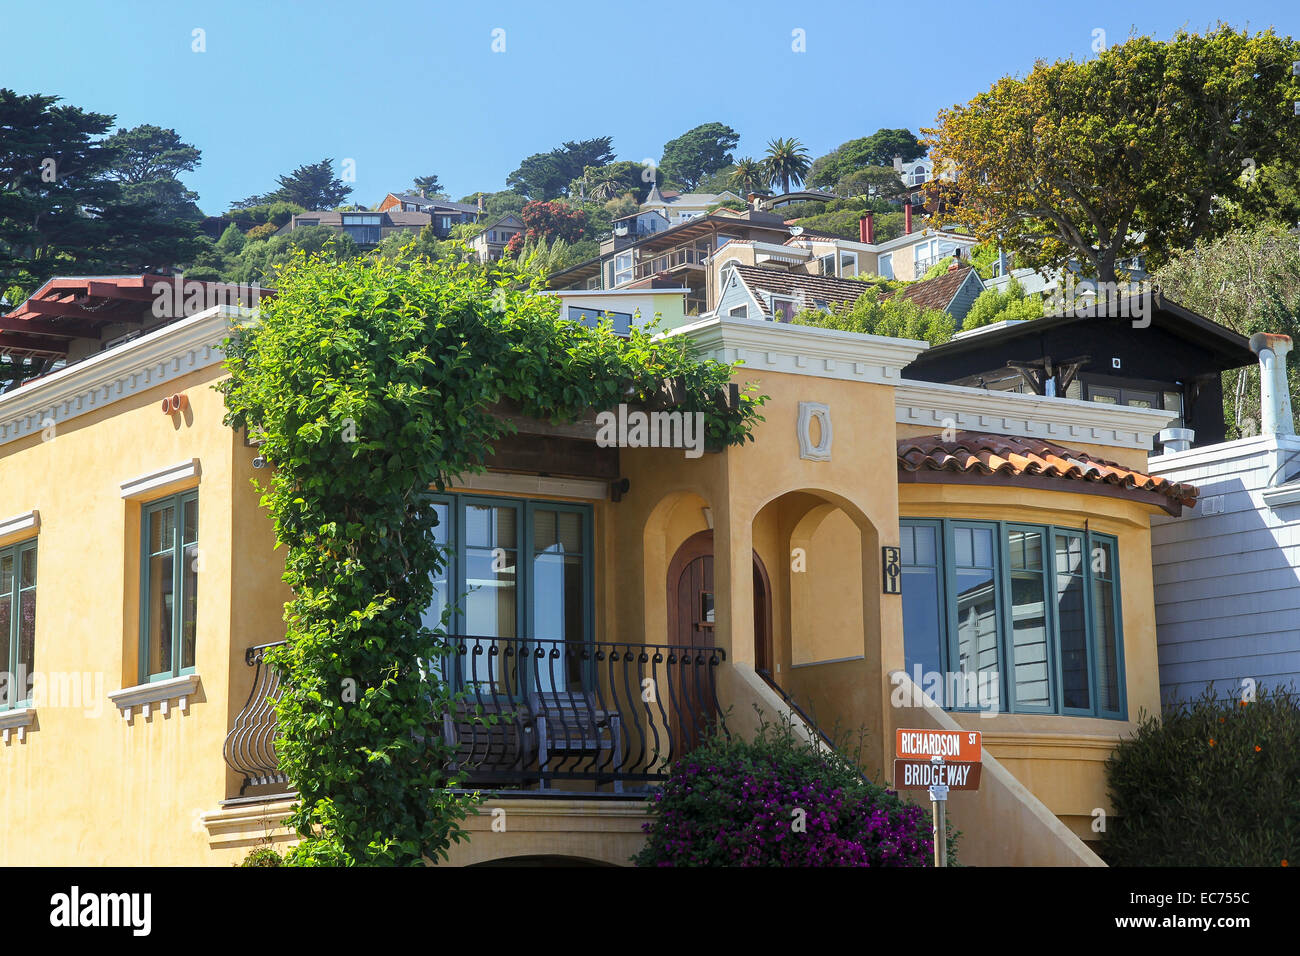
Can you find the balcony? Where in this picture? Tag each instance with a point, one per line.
(537, 714)
(682, 257)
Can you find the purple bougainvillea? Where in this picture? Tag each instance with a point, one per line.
(776, 801)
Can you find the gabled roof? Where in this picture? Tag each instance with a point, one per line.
(938, 293)
(800, 286)
(1033, 462)
(1225, 347)
(437, 203)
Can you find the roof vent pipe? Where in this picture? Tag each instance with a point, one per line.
(1274, 395)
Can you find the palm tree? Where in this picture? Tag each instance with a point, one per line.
(786, 161)
(748, 176)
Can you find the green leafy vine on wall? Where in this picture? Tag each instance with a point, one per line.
(368, 383)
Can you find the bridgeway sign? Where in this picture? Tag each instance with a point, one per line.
(922, 774)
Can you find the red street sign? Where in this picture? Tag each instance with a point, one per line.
(922, 774)
(961, 746)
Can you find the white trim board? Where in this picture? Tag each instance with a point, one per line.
(26, 521)
(161, 478)
(161, 356)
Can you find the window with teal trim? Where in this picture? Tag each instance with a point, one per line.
(17, 623)
(516, 569)
(1013, 617)
(169, 586)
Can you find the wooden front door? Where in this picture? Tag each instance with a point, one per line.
(692, 610)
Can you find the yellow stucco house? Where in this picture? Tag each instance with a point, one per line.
(881, 540)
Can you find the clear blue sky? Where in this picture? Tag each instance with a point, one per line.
(406, 88)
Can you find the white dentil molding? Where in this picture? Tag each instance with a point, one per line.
(933, 405)
(161, 356)
(802, 349)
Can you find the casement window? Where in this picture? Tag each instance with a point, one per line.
(1026, 615)
(827, 264)
(17, 623)
(169, 586)
(885, 265)
(848, 264)
(516, 569)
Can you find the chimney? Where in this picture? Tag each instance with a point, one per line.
(907, 218)
(867, 229)
(1274, 396)
(898, 163)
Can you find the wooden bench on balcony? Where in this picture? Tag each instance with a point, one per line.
(571, 725)
(490, 740)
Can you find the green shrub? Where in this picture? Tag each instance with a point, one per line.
(1216, 783)
(780, 800)
(262, 856)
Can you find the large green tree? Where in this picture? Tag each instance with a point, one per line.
(147, 163)
(697, 153)
(62, 210)
(548, 175)
(877, 150)
(1136, 152)
(312, 186)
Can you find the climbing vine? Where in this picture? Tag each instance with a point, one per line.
(369, 382)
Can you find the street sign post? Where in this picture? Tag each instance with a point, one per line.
(938, 761)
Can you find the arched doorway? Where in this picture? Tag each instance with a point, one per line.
(692, 609)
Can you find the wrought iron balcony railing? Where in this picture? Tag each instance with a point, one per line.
(540, 712)
(250, 745)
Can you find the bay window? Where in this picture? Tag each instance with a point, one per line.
(1027, 617)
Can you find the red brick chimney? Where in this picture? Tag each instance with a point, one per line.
(907, 218)
(866, 229)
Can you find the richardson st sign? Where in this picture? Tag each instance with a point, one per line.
(959, 746)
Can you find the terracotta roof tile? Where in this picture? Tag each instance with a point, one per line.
(1014, 457)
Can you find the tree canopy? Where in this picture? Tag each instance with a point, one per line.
(697, 153)
(1248, 280)
(63, 206)
(313, 186)
(877, 150)
(1136, 152)
(147, 163)
(548, 175)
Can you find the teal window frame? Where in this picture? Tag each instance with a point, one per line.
(1007, 703)
(178, 547)
(16, 591)
(525, 620)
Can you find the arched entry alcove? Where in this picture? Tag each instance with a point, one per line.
(823, 553)
(690, 598)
